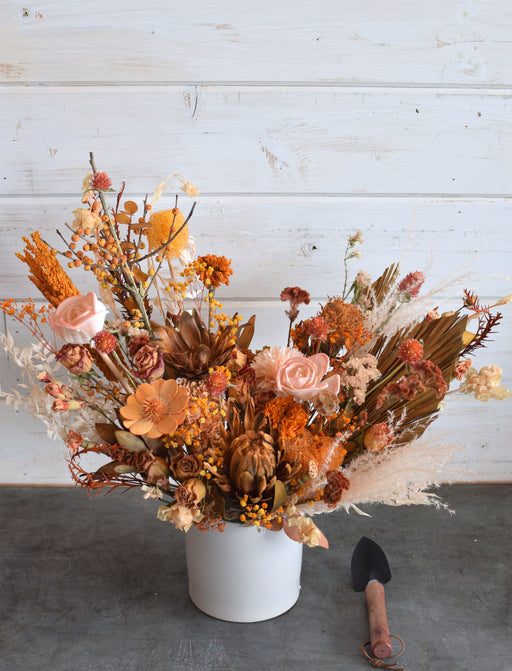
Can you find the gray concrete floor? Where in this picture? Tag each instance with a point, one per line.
(100, 584)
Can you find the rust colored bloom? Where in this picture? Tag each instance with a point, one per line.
(295, 295)
(461, 368)
(190, 493)
(105, 342)
(287, 416)
(378, 437)
(100, 181)
(216, 383)
(407, 388)
(410, 350)
(317, 328)
(74, 441)
(336, 485)
(430, 375)
(46, 273)
(155, 409)
(411, 283)
(346, 323)
(76, 358)
(184, 466)
(214, 270)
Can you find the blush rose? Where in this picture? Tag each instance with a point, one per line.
(303, 377)
(78, 318)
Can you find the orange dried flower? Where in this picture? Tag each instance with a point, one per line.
(346, 323)
(160, 226)
(155, 409)
(46, 273)
(214, 270)
(287, 416)
(410, 351)
(324, 451)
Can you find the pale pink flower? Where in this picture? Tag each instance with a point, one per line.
(302, 529)
(189, 189)
(267, 363)
(304, 377)
(363, 279)
(485, 384)
(412, 283)
(78, 318)
(356, 239)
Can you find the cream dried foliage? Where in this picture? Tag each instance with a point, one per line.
(397, 476)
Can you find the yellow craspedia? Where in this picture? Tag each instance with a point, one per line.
(159, 228)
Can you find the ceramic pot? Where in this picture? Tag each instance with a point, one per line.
(243, 574)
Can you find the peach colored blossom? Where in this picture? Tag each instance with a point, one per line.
(303, 377)
(155, 409)
(302, 529)
(85, 218)
(78, 318)
(182, 518)
(485, 384)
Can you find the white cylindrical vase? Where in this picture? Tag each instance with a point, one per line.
(243, 573)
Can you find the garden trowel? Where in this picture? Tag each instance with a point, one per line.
(370, 571)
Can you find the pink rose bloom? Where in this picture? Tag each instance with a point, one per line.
(78, 318)
(302, 377)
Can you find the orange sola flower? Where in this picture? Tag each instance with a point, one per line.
(155, 409)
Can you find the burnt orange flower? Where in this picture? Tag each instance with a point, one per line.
(287, 416)
(155, 408)
(214, 270)
(346, 323)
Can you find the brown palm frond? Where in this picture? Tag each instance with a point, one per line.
(383, 285)
(442, 343)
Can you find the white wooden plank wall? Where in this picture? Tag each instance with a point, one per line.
(300, 123)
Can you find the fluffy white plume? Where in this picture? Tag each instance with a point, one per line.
(395, 477)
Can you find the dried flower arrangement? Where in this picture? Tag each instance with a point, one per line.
(181, 407)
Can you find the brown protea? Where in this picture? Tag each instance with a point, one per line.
(254, 466)
(253, 463)
(190, 351)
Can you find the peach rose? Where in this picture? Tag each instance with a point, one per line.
(302, 377)
(78, 318)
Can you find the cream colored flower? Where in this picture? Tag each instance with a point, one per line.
(485, 384)
(84, 218)
(182, 518)
(304, 377)
(303, 530)
(155, 408)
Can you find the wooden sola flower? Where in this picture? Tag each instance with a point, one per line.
(155, 409)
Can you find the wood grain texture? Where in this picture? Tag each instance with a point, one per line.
(268, 140)
(449, 42)
(301, 240)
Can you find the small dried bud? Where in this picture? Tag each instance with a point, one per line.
(378, 437)
(105, 342)
(410, 351)
(295, 295)
(100, 181)
(216, 383)
(411, 283)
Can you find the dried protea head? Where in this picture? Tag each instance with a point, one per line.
(252, 463)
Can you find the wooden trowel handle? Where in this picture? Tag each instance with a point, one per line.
(379, 630)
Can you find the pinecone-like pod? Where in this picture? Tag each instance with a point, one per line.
(190, 351)
(253, 463)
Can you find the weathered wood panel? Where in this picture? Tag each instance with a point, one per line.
(259, 139)
(354, 41)
(281, 241)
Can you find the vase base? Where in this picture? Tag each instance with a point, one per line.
(242, 617)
